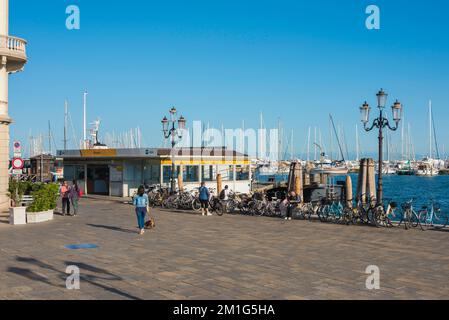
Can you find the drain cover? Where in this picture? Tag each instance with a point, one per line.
(81, 246)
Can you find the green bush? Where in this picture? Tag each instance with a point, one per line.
(17, 189)
(45, 197)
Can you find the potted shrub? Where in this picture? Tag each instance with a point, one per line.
(17, 213)
(45, 197)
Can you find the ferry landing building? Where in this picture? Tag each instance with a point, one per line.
(119, 172)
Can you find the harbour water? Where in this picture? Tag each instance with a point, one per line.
(422, 189)
(404, 188)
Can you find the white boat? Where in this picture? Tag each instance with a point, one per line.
(428, 167)
(387, 169)
(425, 169)
(326, 166)
(268, 169)
(333, 170)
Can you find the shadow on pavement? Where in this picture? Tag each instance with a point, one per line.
(84, 278)
(27, 273)
(111, 228)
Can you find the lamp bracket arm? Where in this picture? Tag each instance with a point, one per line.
(387, 124)
(375, 124)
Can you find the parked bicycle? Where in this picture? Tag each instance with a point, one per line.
(431, 217)
(410, 218)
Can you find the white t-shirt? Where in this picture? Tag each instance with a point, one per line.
(227, 192)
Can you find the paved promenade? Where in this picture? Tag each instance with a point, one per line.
(231, 257)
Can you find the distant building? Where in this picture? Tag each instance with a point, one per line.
(43, 167)
(119, 172)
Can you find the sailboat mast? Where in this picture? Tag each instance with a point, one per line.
(331, 142)
(402, 137)
(388, 146)
(308, 144)
(292, 155)
(437, 149)
(65, 124)
(430, 128)
(84, 120)
(357, 142)
(338, 139)
(49, 137)
(261, 146)
(409, 142)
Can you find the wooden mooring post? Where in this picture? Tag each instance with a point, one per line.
(366, 182)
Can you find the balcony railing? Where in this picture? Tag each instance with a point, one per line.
(15, 46)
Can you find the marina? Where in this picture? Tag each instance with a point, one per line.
(212, 153)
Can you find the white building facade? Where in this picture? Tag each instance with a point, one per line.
(12, 59)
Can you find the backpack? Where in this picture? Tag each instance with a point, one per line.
(223, 194)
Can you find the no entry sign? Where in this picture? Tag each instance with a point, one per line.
(17, 164)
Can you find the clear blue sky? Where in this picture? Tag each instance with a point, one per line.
(225, 61)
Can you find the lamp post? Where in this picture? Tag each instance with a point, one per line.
(170, 131)
(380, 123)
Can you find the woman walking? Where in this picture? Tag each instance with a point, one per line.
(64, 191)
(74, 194)
(141, 202)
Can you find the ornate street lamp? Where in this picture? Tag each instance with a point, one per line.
(175, 133)
(381, 122)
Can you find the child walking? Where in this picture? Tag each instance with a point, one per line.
(140, 203)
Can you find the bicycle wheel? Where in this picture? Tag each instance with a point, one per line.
(372, 217)
(231, 206)
(323, 213)
(196, 205)
(244, 208)
(309, 212)
(441, 220)
(219, 209)
(347, 216)
(299, 213)
(381, 217)
(414, 220)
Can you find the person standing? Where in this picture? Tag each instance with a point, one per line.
(292, 202)
(204, 199)
(74, 194)
(224, 198)
(64, 192)
(140, 203)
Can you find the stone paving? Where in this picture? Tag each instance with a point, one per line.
(189, 256)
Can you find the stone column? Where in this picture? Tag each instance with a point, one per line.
(4, 17)
(12, 59)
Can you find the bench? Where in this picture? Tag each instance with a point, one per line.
(26, 201)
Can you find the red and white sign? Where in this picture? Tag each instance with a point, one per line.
(18, 164)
